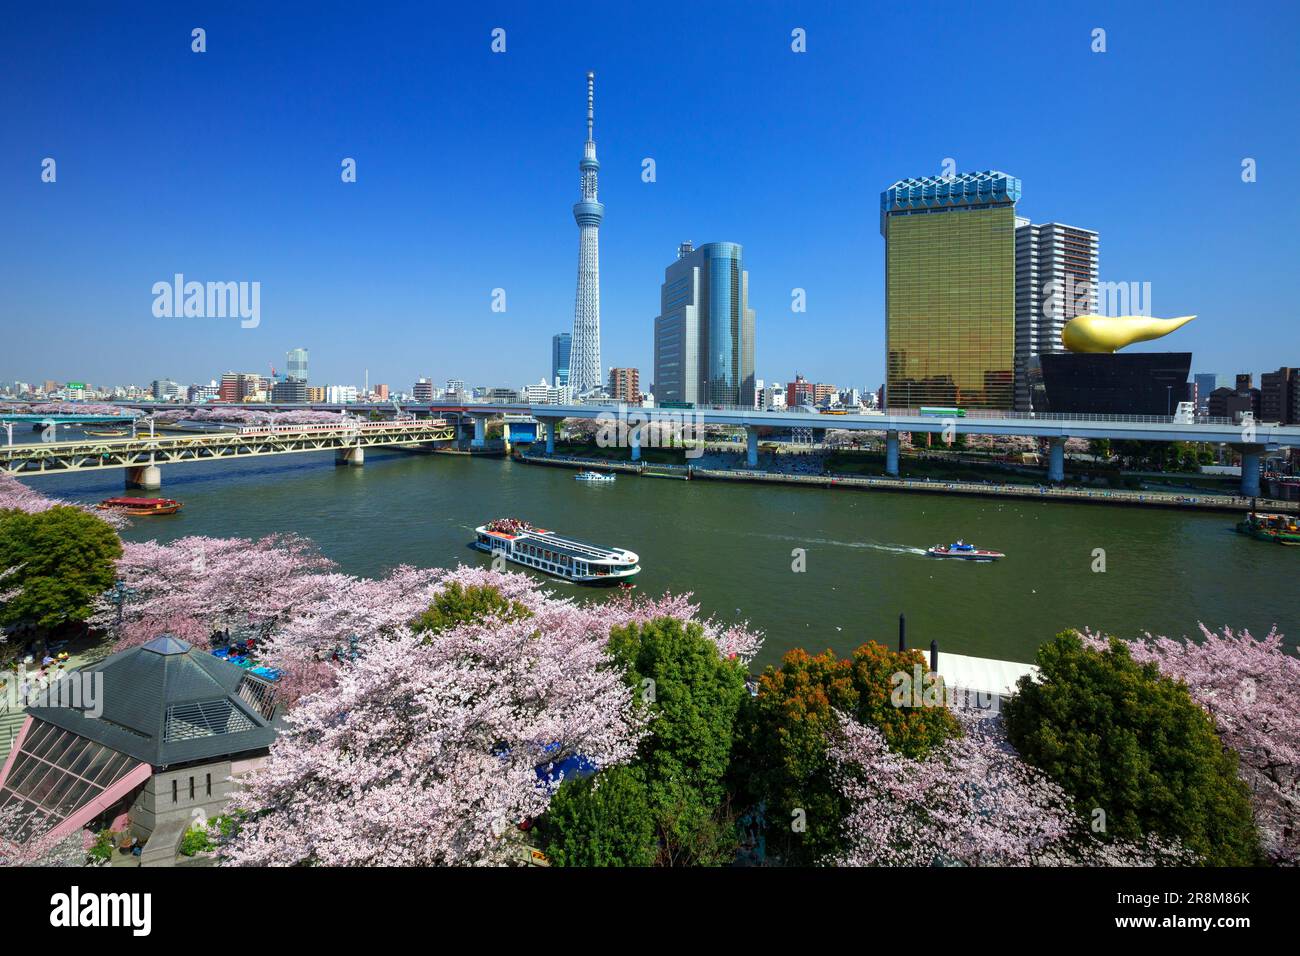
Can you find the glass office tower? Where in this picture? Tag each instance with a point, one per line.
(561, 345)
(704, 334)
(950, 290)
(296, 360)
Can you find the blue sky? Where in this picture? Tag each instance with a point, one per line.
(225, 166)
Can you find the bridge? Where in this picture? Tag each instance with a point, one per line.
(1251, 439)
(141, 456)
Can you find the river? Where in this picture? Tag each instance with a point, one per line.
(736, 546)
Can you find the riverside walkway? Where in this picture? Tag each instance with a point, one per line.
(1156, 499)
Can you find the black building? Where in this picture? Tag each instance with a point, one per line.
(1117, 383)
(290, 391)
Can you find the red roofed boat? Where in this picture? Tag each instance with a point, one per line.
(140, 506)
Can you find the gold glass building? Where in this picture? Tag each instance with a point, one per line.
(950, 291)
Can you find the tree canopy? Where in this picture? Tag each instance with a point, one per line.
(677, 780)
(61, 560)
(1121, 738)
(789, 726)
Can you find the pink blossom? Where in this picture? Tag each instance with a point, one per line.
(426, 752)
(1248, 685)
(973, 802)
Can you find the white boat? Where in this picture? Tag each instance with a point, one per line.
(963, 552)
(592, 476)
(543, 550)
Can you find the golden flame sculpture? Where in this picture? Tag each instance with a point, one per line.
(1106, 333)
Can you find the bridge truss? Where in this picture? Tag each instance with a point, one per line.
(45, 458)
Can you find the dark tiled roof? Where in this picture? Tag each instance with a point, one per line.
(142, 686)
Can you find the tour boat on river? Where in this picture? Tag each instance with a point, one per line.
(592, 476)
(139, 507)
(963, 552)
(518, 541)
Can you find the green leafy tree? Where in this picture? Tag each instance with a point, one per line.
(693, 698)
(1121, 738)
(460, 605)
(782, 763)
(603, 820)
(62, 558)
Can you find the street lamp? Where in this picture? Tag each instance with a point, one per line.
(118, 595)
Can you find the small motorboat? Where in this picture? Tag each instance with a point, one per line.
(139, 507)
(592, 476)
(963, 552)
(106, 432)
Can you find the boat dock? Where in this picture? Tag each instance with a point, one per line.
(982, 675)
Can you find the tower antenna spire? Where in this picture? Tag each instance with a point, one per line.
(591, 103)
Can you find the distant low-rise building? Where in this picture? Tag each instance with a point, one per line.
(165, 390)
(1236, 402)
(543, 394)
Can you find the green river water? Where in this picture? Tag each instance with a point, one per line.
(733, 545)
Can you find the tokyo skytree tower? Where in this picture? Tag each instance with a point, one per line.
(585, 373)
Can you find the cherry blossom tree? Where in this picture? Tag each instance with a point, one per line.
(81, 408)
(974, 802)
(143, 629)
(224, 582)
(1248, 685)
(249, 416)
(428, 749)
(16, 496)
(19, 848)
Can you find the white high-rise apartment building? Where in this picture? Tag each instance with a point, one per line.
(1056, 279)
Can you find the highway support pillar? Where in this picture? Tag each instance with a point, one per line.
(354, 456)
(751, 446)
(891, 453)
(148, 477)
(1056, 461)
(634, 441)
(1250, 455)
(550, 424)
(480, 431)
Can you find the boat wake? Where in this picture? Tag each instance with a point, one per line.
(828, 542)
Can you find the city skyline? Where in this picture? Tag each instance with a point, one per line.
(401, 253)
